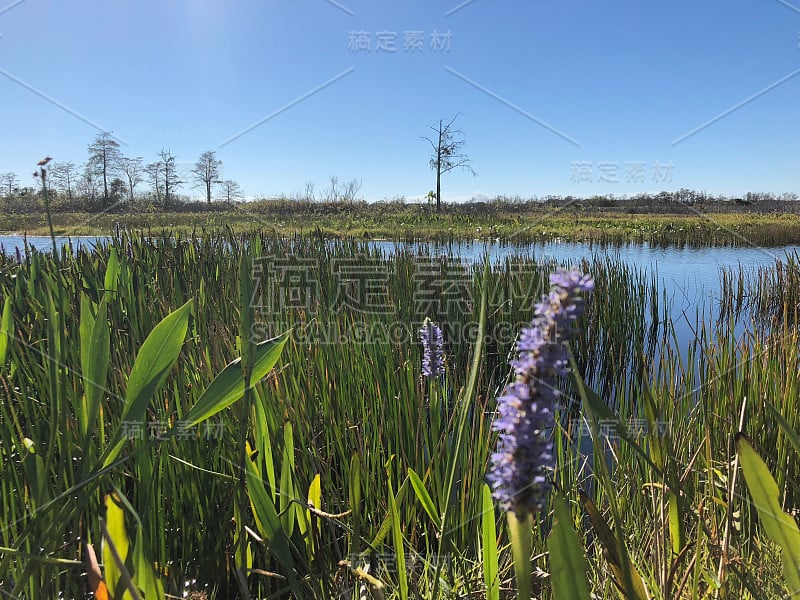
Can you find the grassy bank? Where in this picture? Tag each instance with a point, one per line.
(524, 223)
(343, 456)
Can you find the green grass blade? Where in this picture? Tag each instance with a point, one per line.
(790, 433)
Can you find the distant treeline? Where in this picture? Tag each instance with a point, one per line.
(30, 201)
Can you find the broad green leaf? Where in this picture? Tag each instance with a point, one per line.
(780, 526)
(568, 564)
(156, 357)
(6, 331)
(315, 500)
(424, 497)
(115, 525)
(111, 280)
(676, 533)
(144, 575)
(491, 569)
(228, 386)
(95, 357)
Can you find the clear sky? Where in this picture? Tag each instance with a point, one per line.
(565, 97)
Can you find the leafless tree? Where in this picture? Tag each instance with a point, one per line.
(88, 184)
(104, 158)
(309, 193)
(448, 153)
(169, 174)
(133, 170)
(10, 183)
(64, 176)
(350, 190)
(153, 171)
(207, 172)
(332, 193)
(231, 191)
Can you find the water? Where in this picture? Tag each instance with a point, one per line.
(8, 243)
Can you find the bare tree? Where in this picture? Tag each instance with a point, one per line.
(169, 174)
(133, 170)
(10, 183)
(153, 171)
(207, 171)
(350, 190)
(309, 193)
(104, 157)
(231, 191)
(332, 193)
(448, 153)
(88, 185)
(64, 176)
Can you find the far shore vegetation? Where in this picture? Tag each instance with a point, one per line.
(682, 217)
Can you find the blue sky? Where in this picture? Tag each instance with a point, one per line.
(569, 97)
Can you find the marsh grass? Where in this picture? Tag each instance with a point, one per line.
(361, 456)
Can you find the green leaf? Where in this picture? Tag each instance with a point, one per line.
(568, 564)
(156, 357)
(144, 574)
(386, 525)
(780, 526)
(111, 280)
(6, 331)
(269, 524)
(790, 433)
(489, 541)
(399, 547)
(35, 474)
(115, 525)
(424, 497)
(354, 486)
(95, 357)
(315, 500)
(287, 492)
(228, 386)
(676, 533)
(612, 553)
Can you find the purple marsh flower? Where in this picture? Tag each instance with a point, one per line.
(525, 412)
(432, 344)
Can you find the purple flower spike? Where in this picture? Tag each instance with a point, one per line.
(432, 344)
(519, 474)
